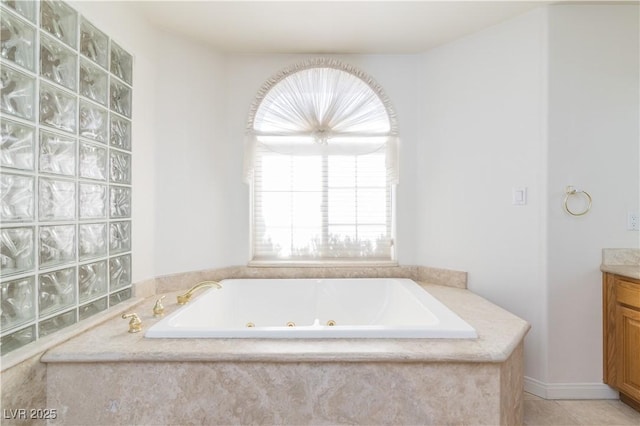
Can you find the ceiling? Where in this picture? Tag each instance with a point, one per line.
(383, 27)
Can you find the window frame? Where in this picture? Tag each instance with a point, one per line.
(390, 191)
(390, 148)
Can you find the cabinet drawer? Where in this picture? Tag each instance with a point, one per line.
(628, 293)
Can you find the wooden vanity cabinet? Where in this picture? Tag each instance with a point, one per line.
(621, 334)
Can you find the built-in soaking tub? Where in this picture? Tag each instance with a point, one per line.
(314, 308)
(299, 380)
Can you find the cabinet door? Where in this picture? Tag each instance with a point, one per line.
(628, 345)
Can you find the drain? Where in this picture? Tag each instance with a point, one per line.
(291, 324)
(250, 324)
(331, 323)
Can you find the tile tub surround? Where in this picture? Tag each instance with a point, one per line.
(183, 281)
(621, 261)
(19, 367)
(372, 381)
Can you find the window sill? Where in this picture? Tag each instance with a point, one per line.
(321, 263)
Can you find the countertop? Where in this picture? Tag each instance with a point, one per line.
(621, 261)
(499, 333)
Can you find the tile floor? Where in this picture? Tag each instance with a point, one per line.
(610, 412)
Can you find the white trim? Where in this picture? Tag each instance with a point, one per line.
(322, 263)
(569, 390)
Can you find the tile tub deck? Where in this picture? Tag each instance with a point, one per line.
(107, 375)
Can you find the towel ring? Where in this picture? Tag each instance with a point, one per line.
(571, 191)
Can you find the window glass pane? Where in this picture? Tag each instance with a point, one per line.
(342, 206)
(376, 239)
(342, 240)
(372, 170)
(306, 242)
(307, 209)
(372, 206)
(275, 172)
(307, 173)
(276, 242)
(342, 171)
(275, 209)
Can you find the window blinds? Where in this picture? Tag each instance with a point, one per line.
(321, 207)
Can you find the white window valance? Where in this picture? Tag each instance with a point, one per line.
(322, 106)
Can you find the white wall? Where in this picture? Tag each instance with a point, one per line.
(484, 133)
(545, 100)
(193, 206)
(594, 145)
(137, 37)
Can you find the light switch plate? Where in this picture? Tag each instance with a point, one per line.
(519, 196)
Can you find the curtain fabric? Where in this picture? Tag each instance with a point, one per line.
(322, 107)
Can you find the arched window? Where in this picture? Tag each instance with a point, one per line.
(321, 159)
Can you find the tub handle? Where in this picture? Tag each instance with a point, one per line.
(135, 323)
(158, 308)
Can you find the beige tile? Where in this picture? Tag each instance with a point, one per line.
(531, 397)
(275, 393)
(543, 412)
(591, 412)
(626, 410)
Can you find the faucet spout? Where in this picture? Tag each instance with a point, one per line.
(183, 299)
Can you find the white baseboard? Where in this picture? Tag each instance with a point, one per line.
(569, 390)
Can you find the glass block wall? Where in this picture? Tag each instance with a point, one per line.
(65, 170)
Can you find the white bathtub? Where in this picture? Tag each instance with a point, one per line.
(303, 308)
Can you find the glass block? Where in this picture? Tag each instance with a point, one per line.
(16, 198)
(17, 142)
(18, 302)
(93, 161)
(92, 241)
(58, 63)
(57, 154)
(26, 8)
(93, 201)
(18, 41)
(120, 167)
(17, 91)
(93, 122)
(121, 63)
(56, 323)
(93, 43)
(57, 245)
(119, 237)
(92, 280)
(57, 108)
(16, 250)
(120, 96)
(120, 132)
(94, 82)
(56, 199)
(119, 272)
(16, 340)
(120, 202)
(119, 297)
(59, 20)
(93, 308)
(56, 290)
